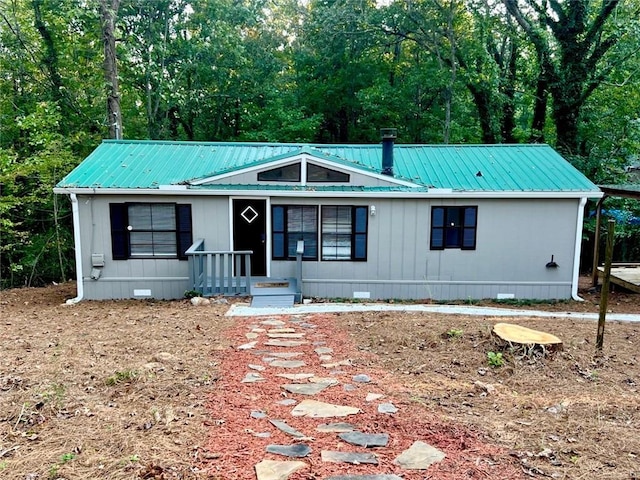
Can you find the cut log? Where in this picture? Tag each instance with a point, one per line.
(515, 334)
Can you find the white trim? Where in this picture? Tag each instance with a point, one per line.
(142, 279)
(439, 193)
(78, 250)
(303, 158)
(369, 281)
(303, 172)
(576, 251)
(231, 245)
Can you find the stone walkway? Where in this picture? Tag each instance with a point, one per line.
(290, 400)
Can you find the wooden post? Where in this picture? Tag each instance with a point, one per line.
(606, 281)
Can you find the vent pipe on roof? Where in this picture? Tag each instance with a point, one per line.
(388, 138)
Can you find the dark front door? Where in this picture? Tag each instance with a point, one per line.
(250, 232)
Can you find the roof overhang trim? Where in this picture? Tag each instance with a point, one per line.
(334, 194)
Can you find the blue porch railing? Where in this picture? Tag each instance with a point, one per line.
(217, 272)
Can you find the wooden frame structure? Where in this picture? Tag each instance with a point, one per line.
(626, 275)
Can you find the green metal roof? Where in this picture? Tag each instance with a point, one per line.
(130, 164)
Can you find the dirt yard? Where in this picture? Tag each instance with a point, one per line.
(119, 390)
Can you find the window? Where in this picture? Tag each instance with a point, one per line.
(288, 173)
(344, 233)
(453, 227)
(316, 173)
(150, 230)
(290, 224)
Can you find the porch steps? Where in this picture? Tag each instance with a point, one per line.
(276, 293)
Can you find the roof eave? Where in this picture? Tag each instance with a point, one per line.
(439, 193)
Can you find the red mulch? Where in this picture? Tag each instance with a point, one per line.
(235, 450)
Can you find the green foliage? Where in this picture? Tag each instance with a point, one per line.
(35, 227)
(495, 359)
(455, 333)
(67, 457)
(326, 71)
(124, 376)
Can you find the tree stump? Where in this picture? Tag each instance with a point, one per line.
(529, 342)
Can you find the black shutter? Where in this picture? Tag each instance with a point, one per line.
(119, 232)
(183, 229)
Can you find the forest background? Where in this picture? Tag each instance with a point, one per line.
(72, 72)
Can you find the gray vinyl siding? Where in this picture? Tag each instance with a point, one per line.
(515, 239)
(165, 278)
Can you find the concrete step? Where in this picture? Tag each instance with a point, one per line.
(274, 301)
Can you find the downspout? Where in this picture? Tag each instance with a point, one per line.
(78, 249)
(577, 249)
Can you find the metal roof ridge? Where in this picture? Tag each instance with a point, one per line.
(313, 145)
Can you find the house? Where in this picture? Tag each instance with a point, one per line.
(154, 219)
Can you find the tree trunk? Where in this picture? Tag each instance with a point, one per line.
(566, 119)
(482, 100)
(50, 59)
(539, 111)
(108, 14)
(508, 121)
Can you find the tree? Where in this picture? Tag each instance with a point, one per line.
(575, 44)
(108, 15)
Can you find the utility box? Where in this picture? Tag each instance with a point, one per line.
(97, 260)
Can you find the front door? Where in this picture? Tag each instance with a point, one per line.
(250, 232)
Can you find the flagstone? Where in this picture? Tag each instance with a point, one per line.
(323, 350)
(247, 346)
(285, 335)
(286, 428)
(315, 409)
(298, 450)
(272, 322)
(419, 456)
(362, 378)
(365, 439)
(295, 376)
(285, 343)
(288, 363)
(285, 354)
(258, 414)
(325, 358)
(341, 363)
(253, 377)
(306, 388)
(349, 388)
(287, 402)
(372, 397)
(277, 470)
(335, 427)
(269, 359)
(348, 457)
(251, 335)
(259, 368)
(282, 330)
(328, 380)
(307, 325)
(388, 408)
(258, 330)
